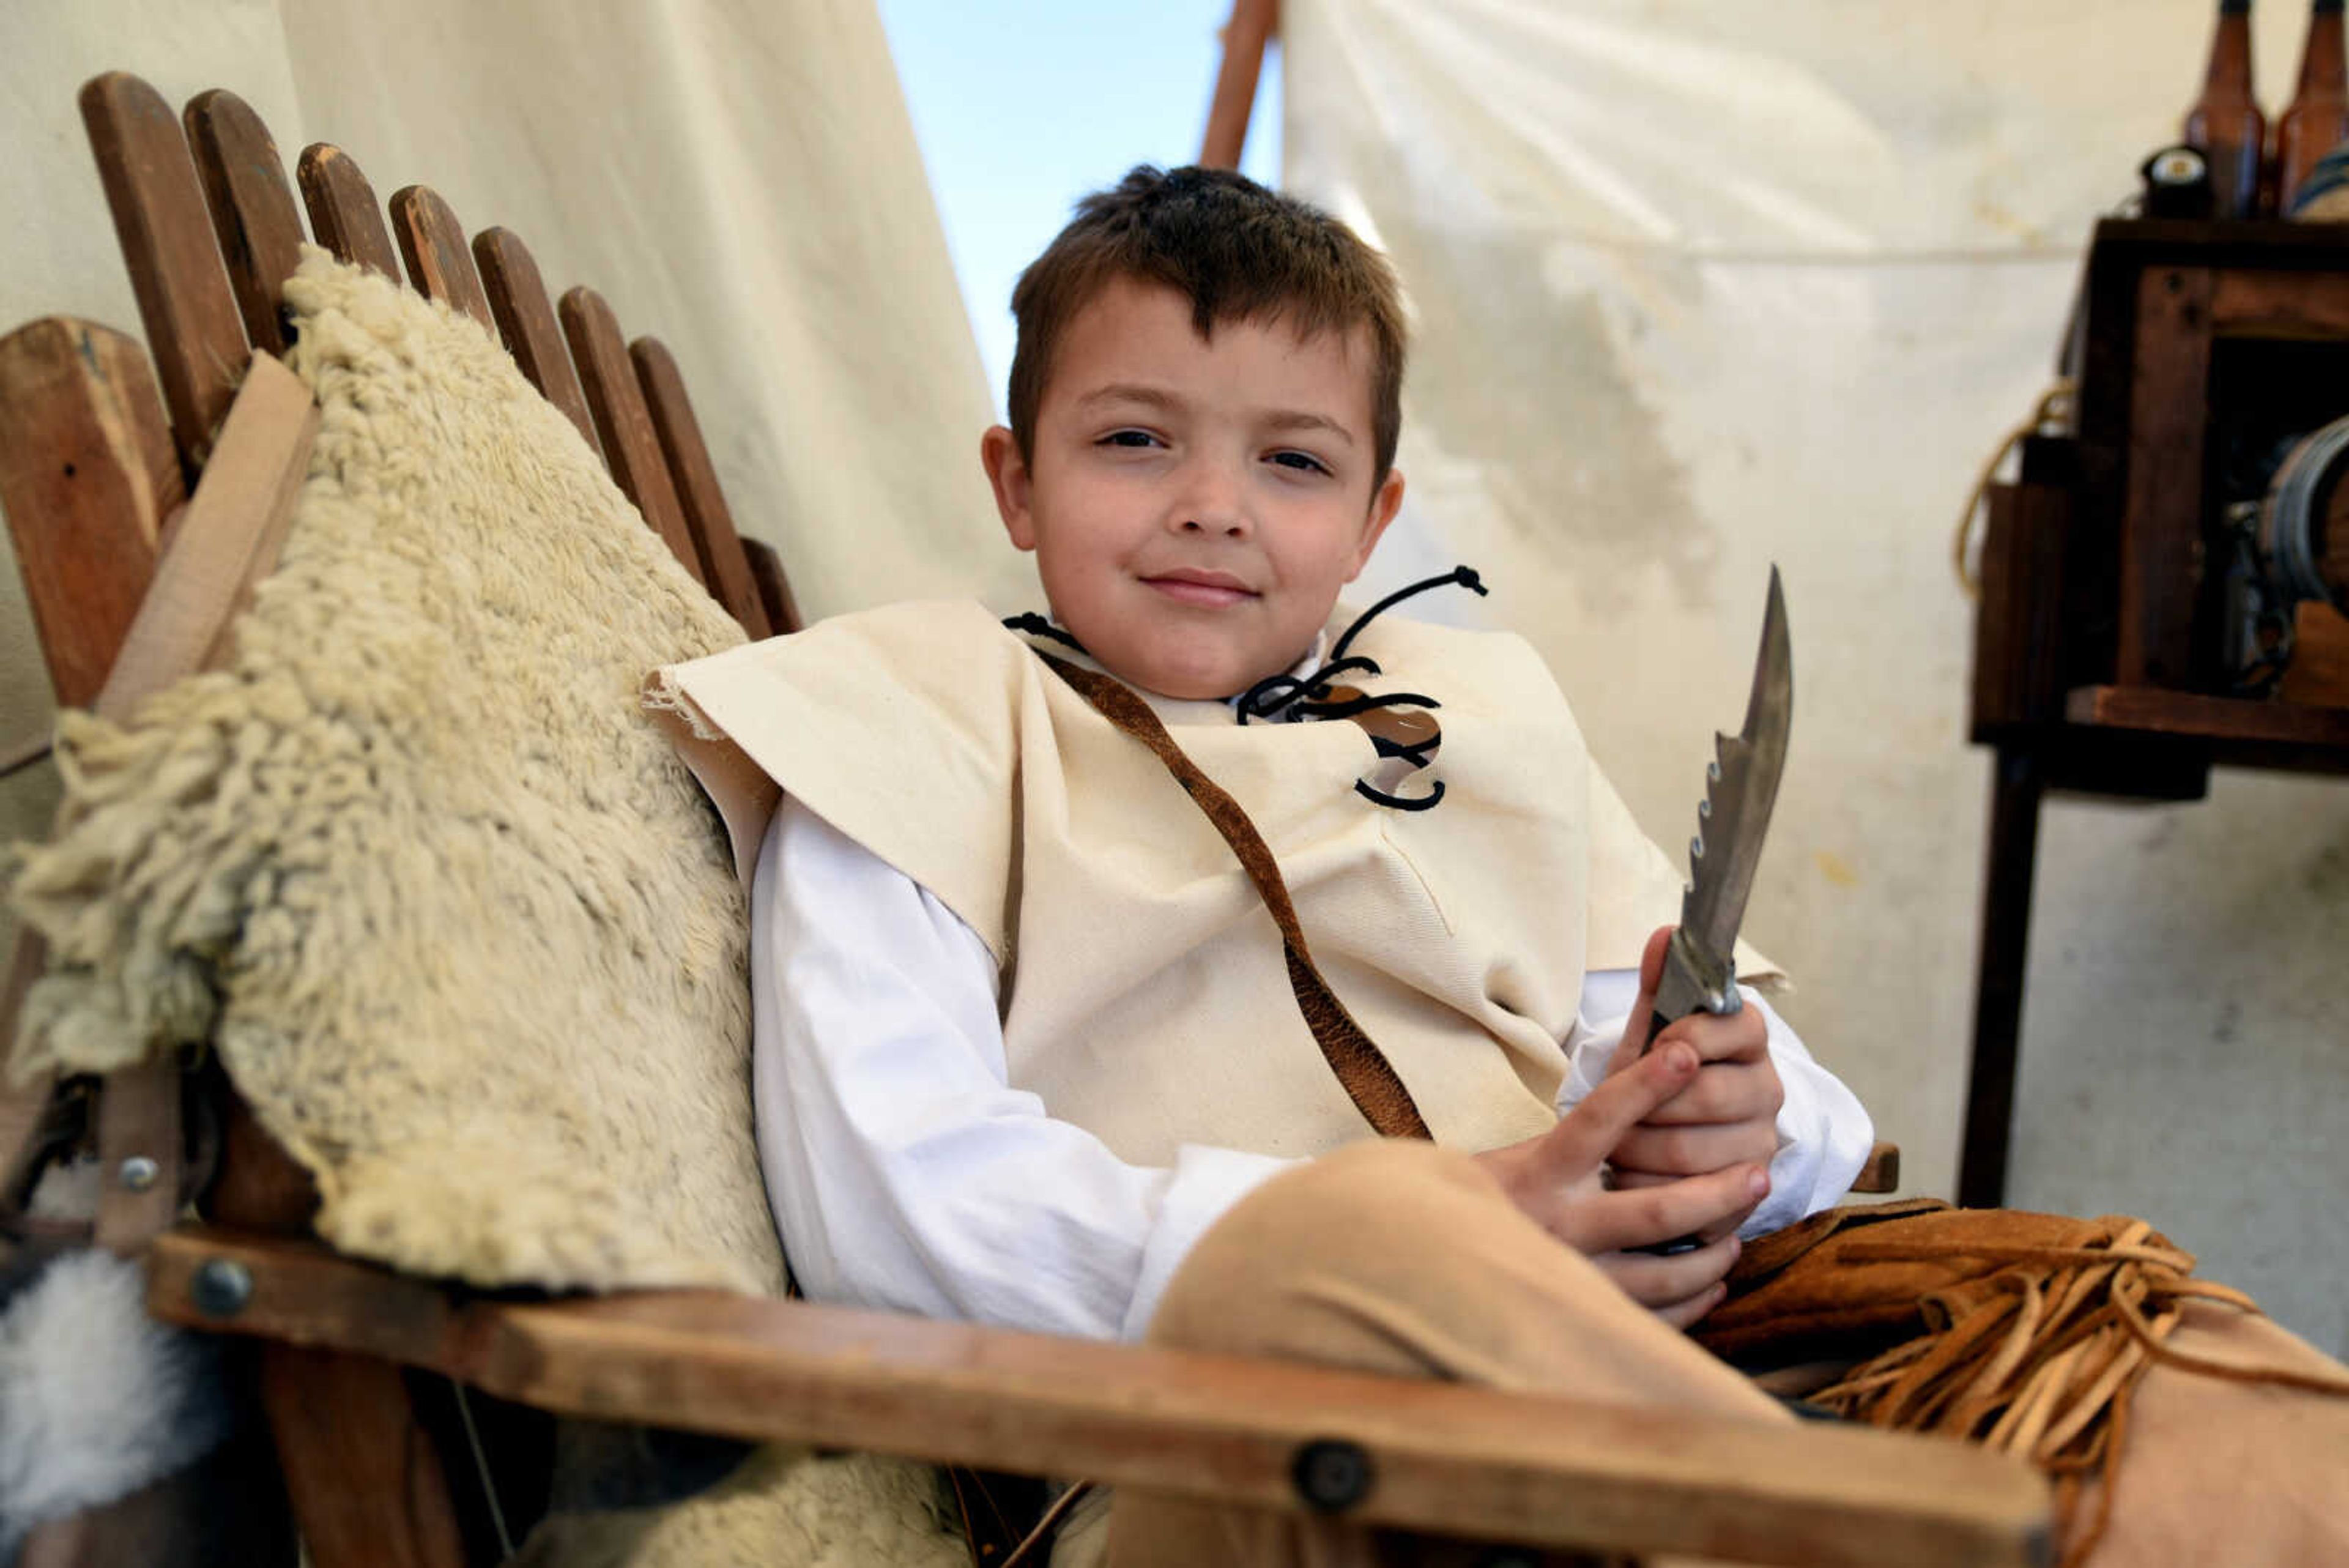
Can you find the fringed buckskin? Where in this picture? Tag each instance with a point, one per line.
(2025, 1333)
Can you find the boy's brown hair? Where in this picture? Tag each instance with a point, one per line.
(1238, 252)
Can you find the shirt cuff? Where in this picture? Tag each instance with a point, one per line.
(1207, 1182)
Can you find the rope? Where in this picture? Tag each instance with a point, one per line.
(2055, 407)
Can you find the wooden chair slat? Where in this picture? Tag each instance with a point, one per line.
(193, 324)
(88, 475)
(724, 567)
(252, 208)
(433, 243)
(774, 585)
(364, 1478)
(227, 541)
(343, 213)
(1446, 1457)
(630, 447)
(526, 317)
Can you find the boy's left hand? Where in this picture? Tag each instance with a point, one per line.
(1728, 1114)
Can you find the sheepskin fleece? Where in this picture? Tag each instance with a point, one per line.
(463, 930)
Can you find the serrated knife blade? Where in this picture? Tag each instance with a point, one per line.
(1741, 787)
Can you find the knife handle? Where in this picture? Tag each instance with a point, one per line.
(1657, 1025)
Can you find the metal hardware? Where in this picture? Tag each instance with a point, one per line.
(222, 1287)
(138, 1173)
(1332, 1474)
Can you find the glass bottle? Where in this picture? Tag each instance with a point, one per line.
(2225, 122)
(2318, 118)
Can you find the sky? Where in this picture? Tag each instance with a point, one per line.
(1022, 107)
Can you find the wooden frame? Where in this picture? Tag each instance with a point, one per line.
(2093, 664)
(1251, 28)
(91, 473)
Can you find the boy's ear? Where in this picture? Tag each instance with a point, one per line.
(1006, 473)
(1385, 502)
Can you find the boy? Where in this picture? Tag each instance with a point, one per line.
(1029, 1050)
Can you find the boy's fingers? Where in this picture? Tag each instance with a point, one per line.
(1694, 1150)
(1635, 1041)
(1652, 1216)
(1661, 1282)
(1726, 1092)
(1740, 1036)
(1586, 1134)
(1687, 1315)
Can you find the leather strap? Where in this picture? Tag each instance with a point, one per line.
(1366, 1076)
(139, 1151)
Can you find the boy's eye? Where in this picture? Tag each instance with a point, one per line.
(1303, 461)
(1129, 439)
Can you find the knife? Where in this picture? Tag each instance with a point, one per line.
(1740, 786)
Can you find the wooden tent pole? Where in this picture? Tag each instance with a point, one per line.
(1252, 25)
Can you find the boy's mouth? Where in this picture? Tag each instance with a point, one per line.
(1208, 591)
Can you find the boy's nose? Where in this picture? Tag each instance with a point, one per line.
(1211, 503)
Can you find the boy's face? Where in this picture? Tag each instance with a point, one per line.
(1195, 504)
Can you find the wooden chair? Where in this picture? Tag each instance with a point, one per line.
(111, 462)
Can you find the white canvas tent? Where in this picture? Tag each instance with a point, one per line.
(1701, 287)
(739, 179)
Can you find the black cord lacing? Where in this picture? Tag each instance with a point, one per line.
(1287, 697)
(1292, 698)
(1035, 625)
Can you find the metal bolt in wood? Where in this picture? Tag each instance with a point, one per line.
(220, 1288)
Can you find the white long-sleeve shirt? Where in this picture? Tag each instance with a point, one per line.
(905, 1171)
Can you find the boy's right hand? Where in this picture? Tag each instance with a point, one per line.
(1558, 1178)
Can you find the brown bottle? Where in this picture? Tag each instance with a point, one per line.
(2319, 116)
(2225, 122)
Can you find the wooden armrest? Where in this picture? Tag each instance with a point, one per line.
(1882, 1172)
(1431, 1456)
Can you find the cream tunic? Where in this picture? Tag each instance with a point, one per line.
(1144, 995)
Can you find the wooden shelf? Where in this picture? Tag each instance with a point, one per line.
(2286, 733)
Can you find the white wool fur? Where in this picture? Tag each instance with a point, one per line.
(462, 928)
(95, 1398)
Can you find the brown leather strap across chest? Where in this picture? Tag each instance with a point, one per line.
(1369, 1078)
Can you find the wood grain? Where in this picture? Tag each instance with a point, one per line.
(624, 423)
(366, 1483)
(2253, 303)
(193, 329)
(525, 317)
(253, 214)
(2166, 713)
(2160, 551)
(440, 264)
(343, 211)
(1249, 29)
(87, 474)
(2019, 624)
(2319, 671)
(707, 518)
(1447, 1458)
(228, 540)
(774, 586)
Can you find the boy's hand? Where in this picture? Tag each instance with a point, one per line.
(1728, 1117)
(1559, 1179)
